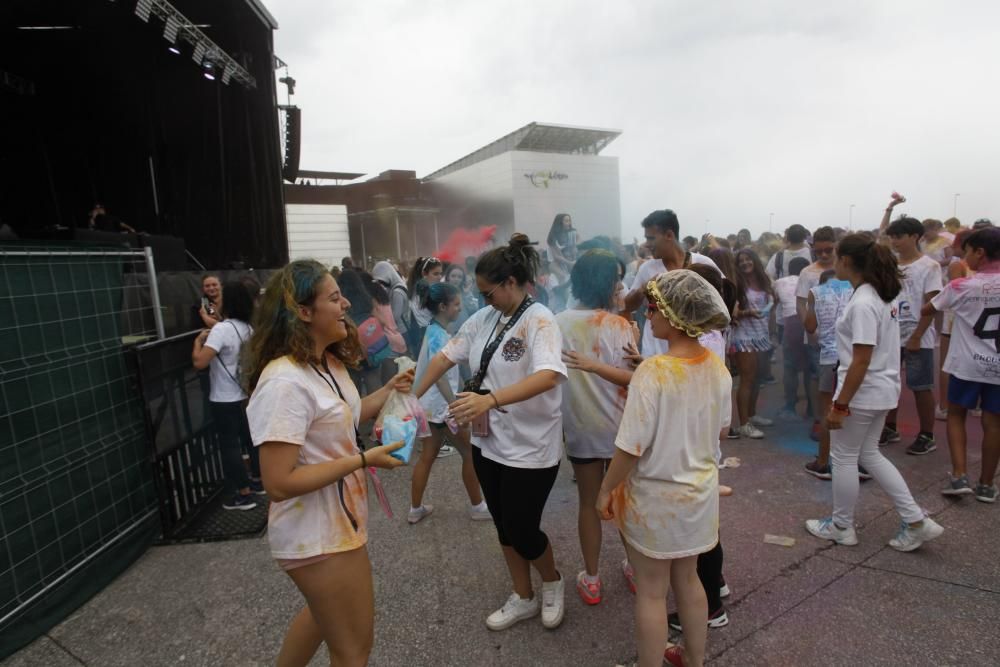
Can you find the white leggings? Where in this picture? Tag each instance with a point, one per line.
(857, 442)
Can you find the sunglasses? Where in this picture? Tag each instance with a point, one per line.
(429, 260)
(486, 295)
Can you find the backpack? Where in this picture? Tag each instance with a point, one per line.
(374, 341)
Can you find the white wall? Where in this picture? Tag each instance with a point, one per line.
(585, 186)
(317, 231)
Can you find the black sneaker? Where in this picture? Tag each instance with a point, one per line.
(818, 471)
(718, 619)
(257, 487)
(924, 444)
(240, 502)
(888, 435)
(863, 474)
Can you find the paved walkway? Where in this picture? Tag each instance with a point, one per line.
(810, 604)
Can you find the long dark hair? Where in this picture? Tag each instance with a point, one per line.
(724, 286)
(517, 259)
(375, 289)
(760, 278)
(875, 262)
(558, 234)
(237, 302)
(353, 286)
(420, 267)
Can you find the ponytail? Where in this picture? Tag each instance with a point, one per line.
(875, 262)
(437, 295)
(517, 259)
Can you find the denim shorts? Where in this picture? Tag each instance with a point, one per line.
(971, 395)
(919, 369)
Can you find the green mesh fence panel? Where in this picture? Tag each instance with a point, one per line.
(77, 499)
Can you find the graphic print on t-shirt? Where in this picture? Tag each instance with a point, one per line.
(974, 354)
(513, 349)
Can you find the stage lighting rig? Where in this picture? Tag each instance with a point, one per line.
(178, 29)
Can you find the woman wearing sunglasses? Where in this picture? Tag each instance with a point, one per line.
(514, 405)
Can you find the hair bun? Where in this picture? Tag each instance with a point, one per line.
(519, 240)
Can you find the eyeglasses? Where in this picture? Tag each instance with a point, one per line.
(486, 295)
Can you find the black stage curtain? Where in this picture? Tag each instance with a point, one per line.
(113, 113)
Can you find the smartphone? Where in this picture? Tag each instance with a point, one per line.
(481, 424)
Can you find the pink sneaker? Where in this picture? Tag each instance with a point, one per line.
(590, 593)
(629, 574)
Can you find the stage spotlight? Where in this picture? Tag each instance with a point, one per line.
(170, 28)
(208, 68)
(174, 50)
(227, 73)
(143, 8)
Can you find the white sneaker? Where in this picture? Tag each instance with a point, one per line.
(514, 610)
(748, 430)
(826, 529)
(941, 414)
(552, 602)
(909, 538)
(757, 420)
(418, 514)
(480, 512)
(445, 451)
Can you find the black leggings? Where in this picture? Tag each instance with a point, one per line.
(516, 498)
(234, 438)
(710, 573)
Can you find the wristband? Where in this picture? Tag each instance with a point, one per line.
(842, 408)
(364, 462)
(496, 402)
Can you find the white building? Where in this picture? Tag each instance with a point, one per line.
(521, 181)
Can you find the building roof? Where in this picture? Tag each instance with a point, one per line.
(539, 138)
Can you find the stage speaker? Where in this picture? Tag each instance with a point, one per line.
(293, 138)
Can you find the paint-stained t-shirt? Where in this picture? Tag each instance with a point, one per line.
(668, 507)
(592, 406)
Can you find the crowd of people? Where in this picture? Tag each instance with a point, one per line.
(634, 362)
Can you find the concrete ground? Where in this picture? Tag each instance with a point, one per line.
(809, 604)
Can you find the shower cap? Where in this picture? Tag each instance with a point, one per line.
(688, 302)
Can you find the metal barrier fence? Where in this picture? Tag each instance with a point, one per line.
(182, 439)
(77, 496)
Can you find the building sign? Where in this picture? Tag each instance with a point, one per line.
(541, 179)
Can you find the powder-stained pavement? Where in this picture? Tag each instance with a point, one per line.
(811, 604)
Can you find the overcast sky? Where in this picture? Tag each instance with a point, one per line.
(729, 110)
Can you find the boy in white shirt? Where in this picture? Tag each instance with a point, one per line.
(973, 360)
(823, 247)
(921, 283)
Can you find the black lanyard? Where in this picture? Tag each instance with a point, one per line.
(476, 382)
(335, 387)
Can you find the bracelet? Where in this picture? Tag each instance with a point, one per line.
(364, 462)
(842, 408)
(496, 402)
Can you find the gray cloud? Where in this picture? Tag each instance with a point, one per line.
(730, 110)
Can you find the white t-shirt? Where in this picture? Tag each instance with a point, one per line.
(830, 299)
(293, 403)
(668, 507)
(227, 339)
(868, 320)
(591, 406)
(529, 434)
(975, 302)
(786, 258)
(433, 402)
(784, 289)
(648, 271)
(920, 277)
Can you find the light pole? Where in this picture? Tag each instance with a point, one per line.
(954, 210)
(850, 217)
(770, 224)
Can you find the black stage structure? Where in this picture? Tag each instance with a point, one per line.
(96, 109)
(106, 445)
